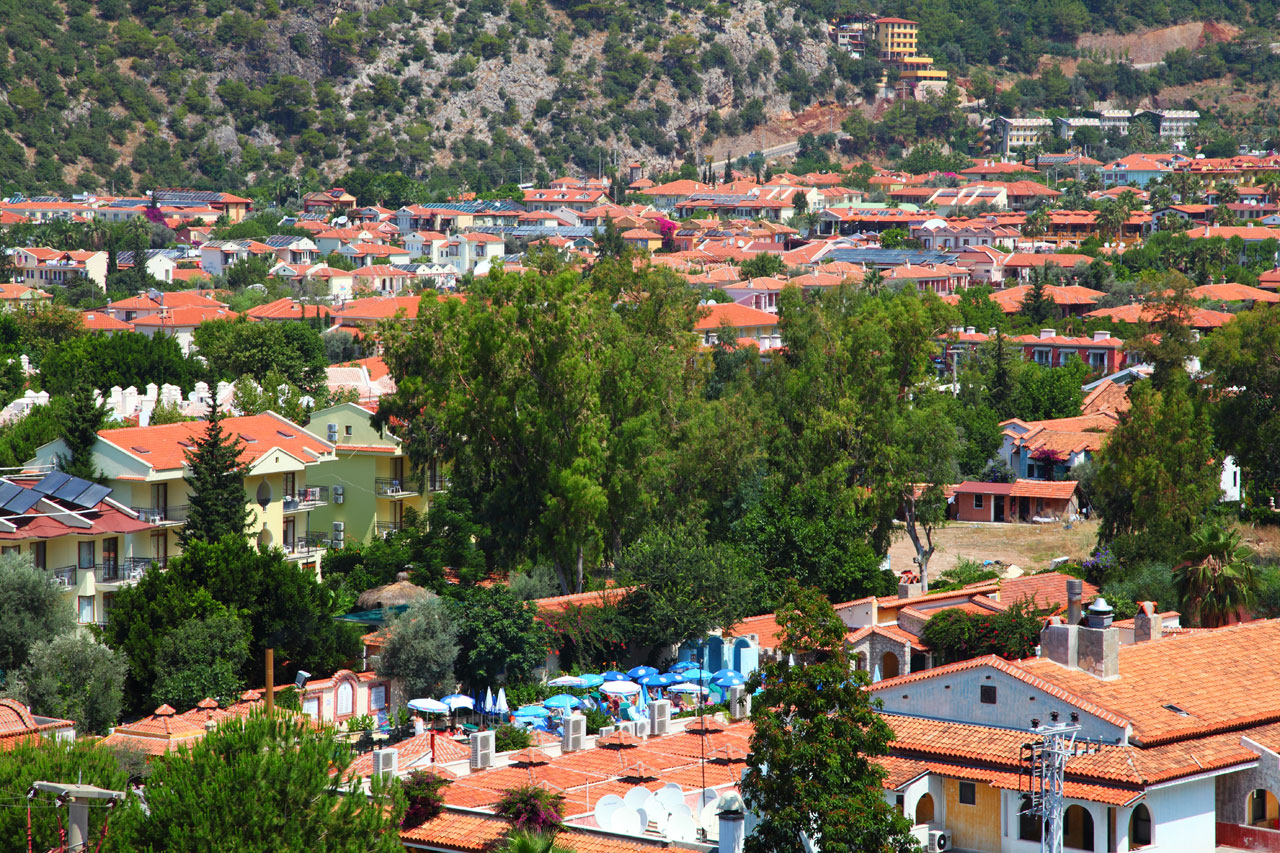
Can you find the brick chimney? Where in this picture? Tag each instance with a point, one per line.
(1098, 650)
(1147, 625)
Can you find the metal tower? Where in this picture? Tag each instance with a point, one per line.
(1047, 764)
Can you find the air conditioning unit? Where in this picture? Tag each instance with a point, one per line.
(739, 703)
(627, 726)
(384, 762)
(939, 841)
(482, 750)
(605, 731)
(333, 433)
(339, 532)
(659, 717)
(337, 494)
(575, 734)
(641, 728)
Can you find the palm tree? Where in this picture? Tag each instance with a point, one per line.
(1228, 194)
(1215, 581)
(1112, 215)
(1036, 224)
(520, 841)
(1270, 182)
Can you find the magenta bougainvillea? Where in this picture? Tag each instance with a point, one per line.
(531, 808)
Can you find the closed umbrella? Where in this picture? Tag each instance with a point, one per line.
(500, 704)
(567, 681)
(638, 672)
(489, 707)
(428, 706)
(561, 700)
(590, 679)
(620, 688)
(614, 675)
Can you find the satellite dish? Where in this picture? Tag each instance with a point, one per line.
(710, 818)
(626, 821)
(658, 814)
(605, 808)
(682, 828)
(637, 797)
(707, 796)
(682, 811)
(671, 797)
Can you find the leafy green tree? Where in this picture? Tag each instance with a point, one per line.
(280, 602)
(1156, 478)
(684, 587)
(979, 310)
(275, 394)
(421, 648)
(811, 773)
(34, 611)
(238, 348)
(1215, 581)
(957, 635)
(1170, 328)
(84, 417)
(122, 359)
(497, 634)
(301, 800)
(927, 445)
(1241, 356)
(76, 678)
(1042, 393)
(522, 841)
(451, 537)
(762, 264)
(1037, 305)
(47, 759)
(217, 504)
(201, 658)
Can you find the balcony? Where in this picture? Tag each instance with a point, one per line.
(386, 528)
(162, 515)
(392, 487)
(307, 544)
(307, 498)
(120, 572)
(64, 577)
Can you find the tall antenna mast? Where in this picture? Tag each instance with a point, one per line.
(1048, 765)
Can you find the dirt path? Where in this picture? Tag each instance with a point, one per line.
(1028, 546)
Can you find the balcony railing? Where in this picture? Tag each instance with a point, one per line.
(392, 487)
(306, 498)
(307, 543)
(127, 570)
(162, 514)
(386, 528)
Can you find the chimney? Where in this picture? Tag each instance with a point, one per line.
(1059, 642)
(1147, 625)
(732, 831)
(969, 330)
(1099, 643)
(908, 587)
(1048, 333)
(1101, 336)
(1075, 594)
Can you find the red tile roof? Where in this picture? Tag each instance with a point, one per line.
(164, 446)
(737, 316)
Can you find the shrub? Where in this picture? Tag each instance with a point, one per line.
(955, 635)
(423, 797)
(507, 738)
(531, 808)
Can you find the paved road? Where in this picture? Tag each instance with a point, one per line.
(786, 149)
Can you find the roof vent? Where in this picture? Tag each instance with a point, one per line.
(1100, 613)
(1175, 709)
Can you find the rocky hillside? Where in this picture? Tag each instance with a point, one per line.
(118, 95)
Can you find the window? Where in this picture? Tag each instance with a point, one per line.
(38, 554)
(11, 549)
(377, 697)
(346, 696)
(290, 486)
(1140, 827)
(111, 554)
(85, 611)
(987, 694)
(1030, 827)
(88, 554)
(311, 706)
(977, 501)
(968, 794)
(348, 430)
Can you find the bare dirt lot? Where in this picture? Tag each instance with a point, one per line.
(1028, 546)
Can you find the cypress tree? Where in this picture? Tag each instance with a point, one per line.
(84, 417)
(217, 503)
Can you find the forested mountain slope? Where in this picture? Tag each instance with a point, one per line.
(122, 95)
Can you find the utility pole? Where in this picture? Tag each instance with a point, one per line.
(77, 798)
(271, 681)
(1048, 764)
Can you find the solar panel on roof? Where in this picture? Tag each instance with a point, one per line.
(92, 496)
(23, 501)
(8, 490)
(52, 482)
(72, 489)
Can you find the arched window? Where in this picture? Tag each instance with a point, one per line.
(924, 809)
(1264, 809)
(1077, 828)
(1140, 827)
(1030, 827)
(346, 699)
(888, 665)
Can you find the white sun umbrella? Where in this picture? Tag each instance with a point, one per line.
(500, 704)
(620, 688)
(567, 681)
(687, 687)
(489, 707)
(457, 700)
(428, 706)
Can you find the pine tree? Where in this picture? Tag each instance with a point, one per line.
(84, 417)
(217, 503)
(1000, 387)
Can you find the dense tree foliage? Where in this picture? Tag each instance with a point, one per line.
(74, 677)
(238, 348)
(34, 611)
(1241, 357)
(217, 502)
